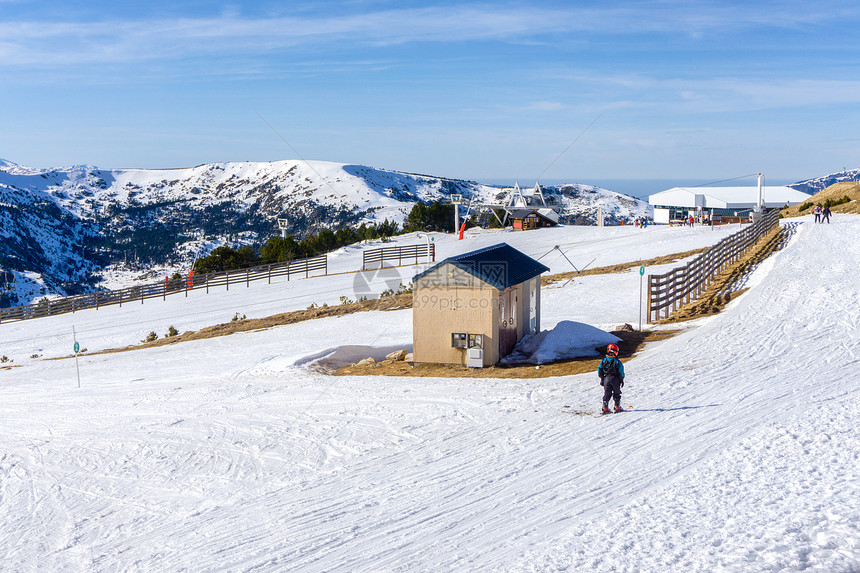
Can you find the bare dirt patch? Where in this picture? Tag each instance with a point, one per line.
(631, 343)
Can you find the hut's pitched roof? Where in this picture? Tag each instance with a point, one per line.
(500, 266)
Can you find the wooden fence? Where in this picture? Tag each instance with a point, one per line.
(669, 292)
(160, 289)
(374, 257)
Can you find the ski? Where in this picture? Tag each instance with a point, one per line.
(569, 410)
(602, 413)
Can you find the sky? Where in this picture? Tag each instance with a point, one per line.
(564, 91)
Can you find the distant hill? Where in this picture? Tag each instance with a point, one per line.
(813, 186)
(833, 193)
(62, 228)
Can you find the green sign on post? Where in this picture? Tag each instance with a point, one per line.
(641, 276)
(77, 349)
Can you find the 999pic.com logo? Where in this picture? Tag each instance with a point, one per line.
(372, 283)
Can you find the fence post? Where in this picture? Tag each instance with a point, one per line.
(248, 278)
(650, 286)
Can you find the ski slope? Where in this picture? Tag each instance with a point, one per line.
(233, 454)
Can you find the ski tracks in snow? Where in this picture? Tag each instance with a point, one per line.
(741, 454)
(781, 441)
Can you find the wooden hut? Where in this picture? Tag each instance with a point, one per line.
(525, 219)
(473, 308)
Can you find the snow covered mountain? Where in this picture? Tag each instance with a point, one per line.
(813, 186)
(62, 227)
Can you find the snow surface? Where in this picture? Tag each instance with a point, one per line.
(233, 454)
(568, 339)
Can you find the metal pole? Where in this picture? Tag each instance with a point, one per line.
(77, 367)
(641, 277)
(759, 205)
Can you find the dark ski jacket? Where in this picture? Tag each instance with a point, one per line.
(611, 368)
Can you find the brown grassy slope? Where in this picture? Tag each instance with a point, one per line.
(835, 192)
(631, 343)
(719, 294)
(711, 302)
(396, 302)
(621, 267)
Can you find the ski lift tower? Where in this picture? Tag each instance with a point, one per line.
(514, 199)
(283, 225)
(759, 206)
(456, 201)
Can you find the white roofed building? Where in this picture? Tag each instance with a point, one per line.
(680, 202)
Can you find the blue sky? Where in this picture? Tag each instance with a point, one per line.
(662, 89)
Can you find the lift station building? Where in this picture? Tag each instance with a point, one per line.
(473, 308)
(681, 202)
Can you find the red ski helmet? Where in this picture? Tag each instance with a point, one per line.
(612, 350)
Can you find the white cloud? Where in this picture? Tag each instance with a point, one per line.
(741, 94)
(116, 41)
(769, 90)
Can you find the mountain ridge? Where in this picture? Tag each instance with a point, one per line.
(64, 227)
(816, 184)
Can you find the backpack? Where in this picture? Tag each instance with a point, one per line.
(611, 368)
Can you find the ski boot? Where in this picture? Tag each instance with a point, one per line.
(618, 408)
(606, 409)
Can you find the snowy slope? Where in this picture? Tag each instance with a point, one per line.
(742, 452)
(584, 247)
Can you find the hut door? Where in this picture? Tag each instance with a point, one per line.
(507, 324)
(533, 312)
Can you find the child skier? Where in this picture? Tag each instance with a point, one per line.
(611, 373)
